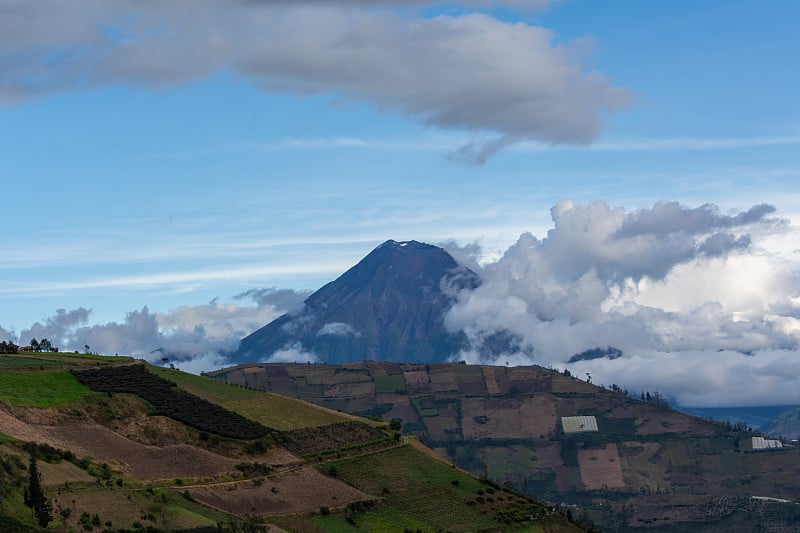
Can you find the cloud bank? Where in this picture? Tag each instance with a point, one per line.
(699, 311)
(504, 82)
(195, 338)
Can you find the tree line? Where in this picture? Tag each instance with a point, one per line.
(42, 346)
(8, 347)
(36, 346)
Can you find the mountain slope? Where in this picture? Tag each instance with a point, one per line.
(115, 455)
(390, 306)
(786, 425)
(629, 463)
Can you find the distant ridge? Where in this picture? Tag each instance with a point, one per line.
(390, 306)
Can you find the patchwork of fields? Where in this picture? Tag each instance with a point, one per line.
(508, 424)
(131, 447)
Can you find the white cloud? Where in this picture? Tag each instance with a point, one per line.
(506, 81)
(293, 353)
(189, 336)
(339, 329)
(684, 292)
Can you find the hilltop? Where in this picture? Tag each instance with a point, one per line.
(121, 445)
(628, 462)
(389, 306)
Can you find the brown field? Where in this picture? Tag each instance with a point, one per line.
(669, 421)
(527, 417)
(489, 379)
(472, 387)
(135, 459)
(566, 384)
(443, 425)
(548, 454)
(654, 511)
(391, 367)
(376, 369)
(416, 379)
(300, 491)
(442, 379)
(538, 415)
(643, 465)
(600, 469)
(401, 408)
(349, 390)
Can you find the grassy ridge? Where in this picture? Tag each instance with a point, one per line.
(48, 388)
(265, 408)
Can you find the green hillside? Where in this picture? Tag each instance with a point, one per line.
(131, 447)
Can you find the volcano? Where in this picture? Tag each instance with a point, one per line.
(388, 307)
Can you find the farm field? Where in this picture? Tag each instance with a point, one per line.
(268, 409)
(298, 491)
(48, 388)
(505, 423)
(123, 447)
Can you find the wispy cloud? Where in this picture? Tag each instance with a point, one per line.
(252, 273)
(459, 146)
(667, 144)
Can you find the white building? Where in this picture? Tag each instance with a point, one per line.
(760, 443)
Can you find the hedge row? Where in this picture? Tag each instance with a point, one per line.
(171, 401)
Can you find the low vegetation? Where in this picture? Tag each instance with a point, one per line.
(95, 468)
(268, 409)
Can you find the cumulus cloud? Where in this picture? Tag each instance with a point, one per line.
(697, 310)
(6, 335)
(468, 255)
(339, 329)
(57, 327)
(292, 353)
(192, 337)
(504, 82)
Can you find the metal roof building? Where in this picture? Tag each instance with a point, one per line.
(576, 424)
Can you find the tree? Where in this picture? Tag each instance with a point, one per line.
(34, 344)
(35, 497)
(45, 346)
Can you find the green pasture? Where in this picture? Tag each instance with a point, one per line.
(390, 383)
(15, 361)
(265, 408)
(48, 388)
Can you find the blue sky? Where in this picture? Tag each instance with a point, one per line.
(171, 157)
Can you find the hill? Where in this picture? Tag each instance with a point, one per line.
(119, 445)
(785, 424)
(628, 463)
(389, 306)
